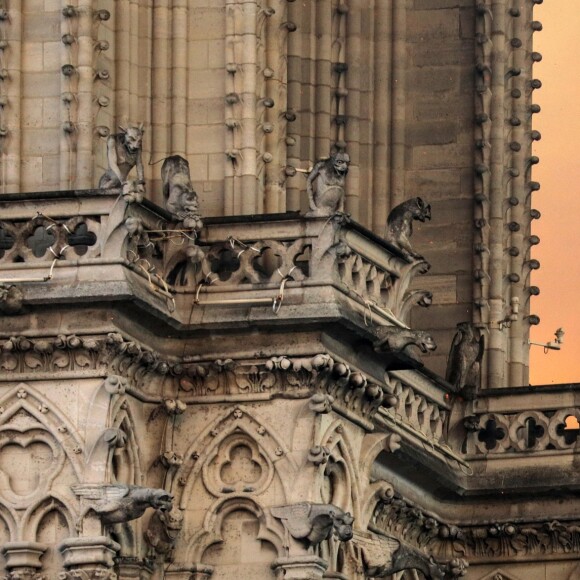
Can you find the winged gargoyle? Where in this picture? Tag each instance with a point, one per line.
(384, 556)
(118, 503)
(313, 523)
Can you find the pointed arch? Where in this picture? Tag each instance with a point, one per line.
(124, 421)
(211, 532)
(242, 420)
(336, 440)
(42, 409)
(34, 515)
(8, 517)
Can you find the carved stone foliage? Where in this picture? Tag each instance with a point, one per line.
(408, 522)
(523, 432)
(44, 239)
(88, 574)
(347, 387)
(63, 353)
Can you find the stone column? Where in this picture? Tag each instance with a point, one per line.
(300, 567)
(23, 559)
(89, 558)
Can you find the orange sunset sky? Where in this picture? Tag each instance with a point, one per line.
(559, 198)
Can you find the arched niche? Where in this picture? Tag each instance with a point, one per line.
(125, 463)
(50, 523)
(241, 544)
(237, 531)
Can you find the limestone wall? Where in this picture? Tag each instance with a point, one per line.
(422, 94)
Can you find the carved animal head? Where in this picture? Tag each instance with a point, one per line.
(467, 329)
(420, 210)
(132, 137)
(161, 500)
(343, 525)
(339, 163)
(424, 341)
(172, 520)
(183, 197)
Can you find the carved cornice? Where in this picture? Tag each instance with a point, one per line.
(496, 541)
(353, 392)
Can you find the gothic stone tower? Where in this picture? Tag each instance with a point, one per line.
(244, 397)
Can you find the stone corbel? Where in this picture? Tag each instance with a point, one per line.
(23, 560)
(300, 568)
(88, 558)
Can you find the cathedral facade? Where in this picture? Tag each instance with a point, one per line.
(265, 294)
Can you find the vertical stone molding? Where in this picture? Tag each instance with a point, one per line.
(23, 559)
(89, 558)
(300, 567)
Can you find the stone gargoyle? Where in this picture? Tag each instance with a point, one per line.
(124, 153)
(325, 185)
(178, 193)
(464, 361)
(163, 531)
(312, 523)
(118, 503)
(384, 556)
(399, 340)
(10, 299)
(400, 225)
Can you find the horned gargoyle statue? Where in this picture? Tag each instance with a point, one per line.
(312, 523)
(118, 503)
(400, 225)
(464, 361)
(395, 339)
(124, 153)
(325, 185)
